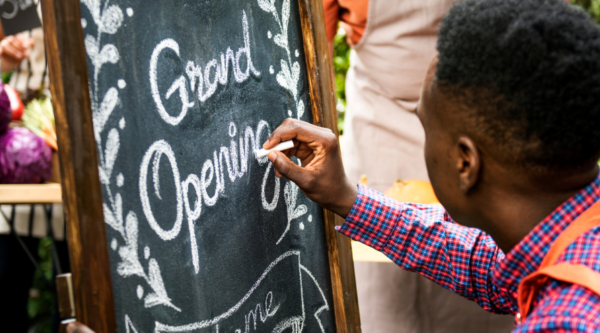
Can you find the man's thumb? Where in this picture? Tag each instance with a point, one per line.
(286, 167)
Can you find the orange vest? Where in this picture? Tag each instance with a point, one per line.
(570, 273)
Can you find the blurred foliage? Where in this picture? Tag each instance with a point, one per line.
(41, 301)
(590, 6)
(341, 63)
(6, 77)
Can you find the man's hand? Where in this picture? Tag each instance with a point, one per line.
(77, 327)
(13, 49)
(321, 177)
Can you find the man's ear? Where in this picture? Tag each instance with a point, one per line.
(468, 163)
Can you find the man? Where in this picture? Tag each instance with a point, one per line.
(392, 45)
(510, 111)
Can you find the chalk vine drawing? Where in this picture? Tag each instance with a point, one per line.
(129, 328)
(289, 74)
(290, 194)
(289, 78)
(108, 19)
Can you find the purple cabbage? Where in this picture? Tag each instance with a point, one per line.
(24, 157)
(5, 110)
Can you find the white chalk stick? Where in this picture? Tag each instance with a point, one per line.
(281, 146)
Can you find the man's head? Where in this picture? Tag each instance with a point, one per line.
(515, 90)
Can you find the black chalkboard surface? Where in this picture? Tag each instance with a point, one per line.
(202, 236)
(18, 16)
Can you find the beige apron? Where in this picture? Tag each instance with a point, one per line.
(384, 139)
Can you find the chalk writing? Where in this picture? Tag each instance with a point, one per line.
(16, 5)
(197, 77)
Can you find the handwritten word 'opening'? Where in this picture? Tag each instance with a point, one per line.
(233, 159)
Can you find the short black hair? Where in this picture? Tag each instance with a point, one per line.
(535, 64)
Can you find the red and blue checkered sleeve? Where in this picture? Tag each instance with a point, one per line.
(424, 239)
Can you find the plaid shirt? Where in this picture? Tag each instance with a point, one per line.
(425, 239)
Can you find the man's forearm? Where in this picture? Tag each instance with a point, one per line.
(424, 239)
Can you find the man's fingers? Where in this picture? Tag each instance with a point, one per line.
(294, 129)
(288, 169)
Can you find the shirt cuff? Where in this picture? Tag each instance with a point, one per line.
(372, 219)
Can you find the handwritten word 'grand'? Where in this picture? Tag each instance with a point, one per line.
(199, 78)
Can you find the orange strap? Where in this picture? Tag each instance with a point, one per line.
(576, 274)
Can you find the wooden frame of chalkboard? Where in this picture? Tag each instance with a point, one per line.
(81, 187)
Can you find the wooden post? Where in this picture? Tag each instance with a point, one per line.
(322, 96)
(82, 196)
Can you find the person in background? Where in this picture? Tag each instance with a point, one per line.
(24, 55)
(13, 50)
(392, 45)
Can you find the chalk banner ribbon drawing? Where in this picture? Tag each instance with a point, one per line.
(202, 236)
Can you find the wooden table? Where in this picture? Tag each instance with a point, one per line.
(362, 252)
(51, 193)
(30, 193)
(46, 194)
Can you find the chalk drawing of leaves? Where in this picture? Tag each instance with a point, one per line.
(111, 20)
(300, 108)
(130, 264)
(109, 53)
(119, 209)
(290, 194)
(267, 5)
(112, 149)
(111, 220)
(156, 282)
(100, 116)
(288, 79)
(281, 40)
(108, 22)
(288, 76)
(129, 325)
(299, 211)
(94, 8)
(102, 174)
(283, 76)
(295, 74)
(91, 46)
(285, 15)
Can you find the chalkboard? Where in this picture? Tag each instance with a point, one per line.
(18, 16)
(201, 236)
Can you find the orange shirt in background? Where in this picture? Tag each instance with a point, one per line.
(351, 13)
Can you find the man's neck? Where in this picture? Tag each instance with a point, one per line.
(522, 202)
